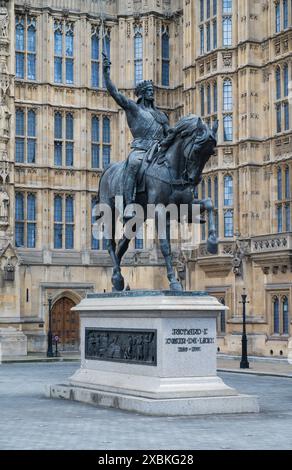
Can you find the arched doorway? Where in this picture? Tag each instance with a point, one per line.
(65, 324)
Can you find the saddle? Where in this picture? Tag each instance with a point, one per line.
(146, 162)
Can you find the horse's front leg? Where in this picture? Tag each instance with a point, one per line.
(109, 236)
(165, 246)
(117, 278)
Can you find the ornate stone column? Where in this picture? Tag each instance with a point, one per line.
(6, 103)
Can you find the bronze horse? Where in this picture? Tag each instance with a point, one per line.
(171, 178)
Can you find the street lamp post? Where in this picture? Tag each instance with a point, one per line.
(50, 336)
(244, 364)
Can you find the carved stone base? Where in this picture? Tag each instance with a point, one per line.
(152, 352)
(157, 407)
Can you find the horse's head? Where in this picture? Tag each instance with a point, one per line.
(193, 140)
(199, 144)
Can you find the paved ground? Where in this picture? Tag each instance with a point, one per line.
(30, 421)
(258, 365)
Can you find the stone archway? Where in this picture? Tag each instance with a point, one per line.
(65, 324)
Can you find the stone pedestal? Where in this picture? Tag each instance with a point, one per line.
(12, 343)
(152, 352)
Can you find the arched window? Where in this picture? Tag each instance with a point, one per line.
(228, 128)
(285, 313)
(279, 117)
(58, 125)
(286, 116)
(31, 221)
(58, 52)
(279, 184)
(285, 14)
(214, 34)
(228, 191)
(19, 136)
(31, 48)
(286, 79)
(58, 209)
(215, 98)
(25, 47)
(31, 213)
(19, 220)
(138, 55)
(95, 142)
(208, 8)
(31, 136)
(288, 217)
(287, 182)
(278, 83)
(208, 33)
(208, 99)
(227, 6)
(216, 191)
(165, 57)
(278, 17)
(58, 219)
(202, 95)
(106, 138)
(228, 224)
(201, 10)
(227, 31)
(276, 315)
(69, 223)
(202, 39)
(214, 7)
(69, 52)
(227, 95)
(279, 219)
(95, 59)
(69, 139)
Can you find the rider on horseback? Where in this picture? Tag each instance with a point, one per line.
(147, 124)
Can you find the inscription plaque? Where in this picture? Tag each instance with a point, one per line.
(121, 345)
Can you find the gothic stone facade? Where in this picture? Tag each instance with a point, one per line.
(222, 59)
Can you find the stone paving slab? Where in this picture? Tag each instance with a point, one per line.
(28, 420)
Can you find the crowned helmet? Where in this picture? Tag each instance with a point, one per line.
(141, 87)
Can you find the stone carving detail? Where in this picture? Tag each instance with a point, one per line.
(5, 115)
(227, 249)
(270, 244)
(227, 59)
(4, 23)
(4, 207)
(131, 345)
(9, 271)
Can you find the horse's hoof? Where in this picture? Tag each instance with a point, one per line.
(176, 286)
(118, 281)
(212, 245)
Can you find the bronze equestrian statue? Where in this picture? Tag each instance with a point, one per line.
(147, 124)
(169, 161)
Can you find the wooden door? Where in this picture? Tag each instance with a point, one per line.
(65, 324)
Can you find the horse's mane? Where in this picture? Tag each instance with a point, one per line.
(186, 126)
